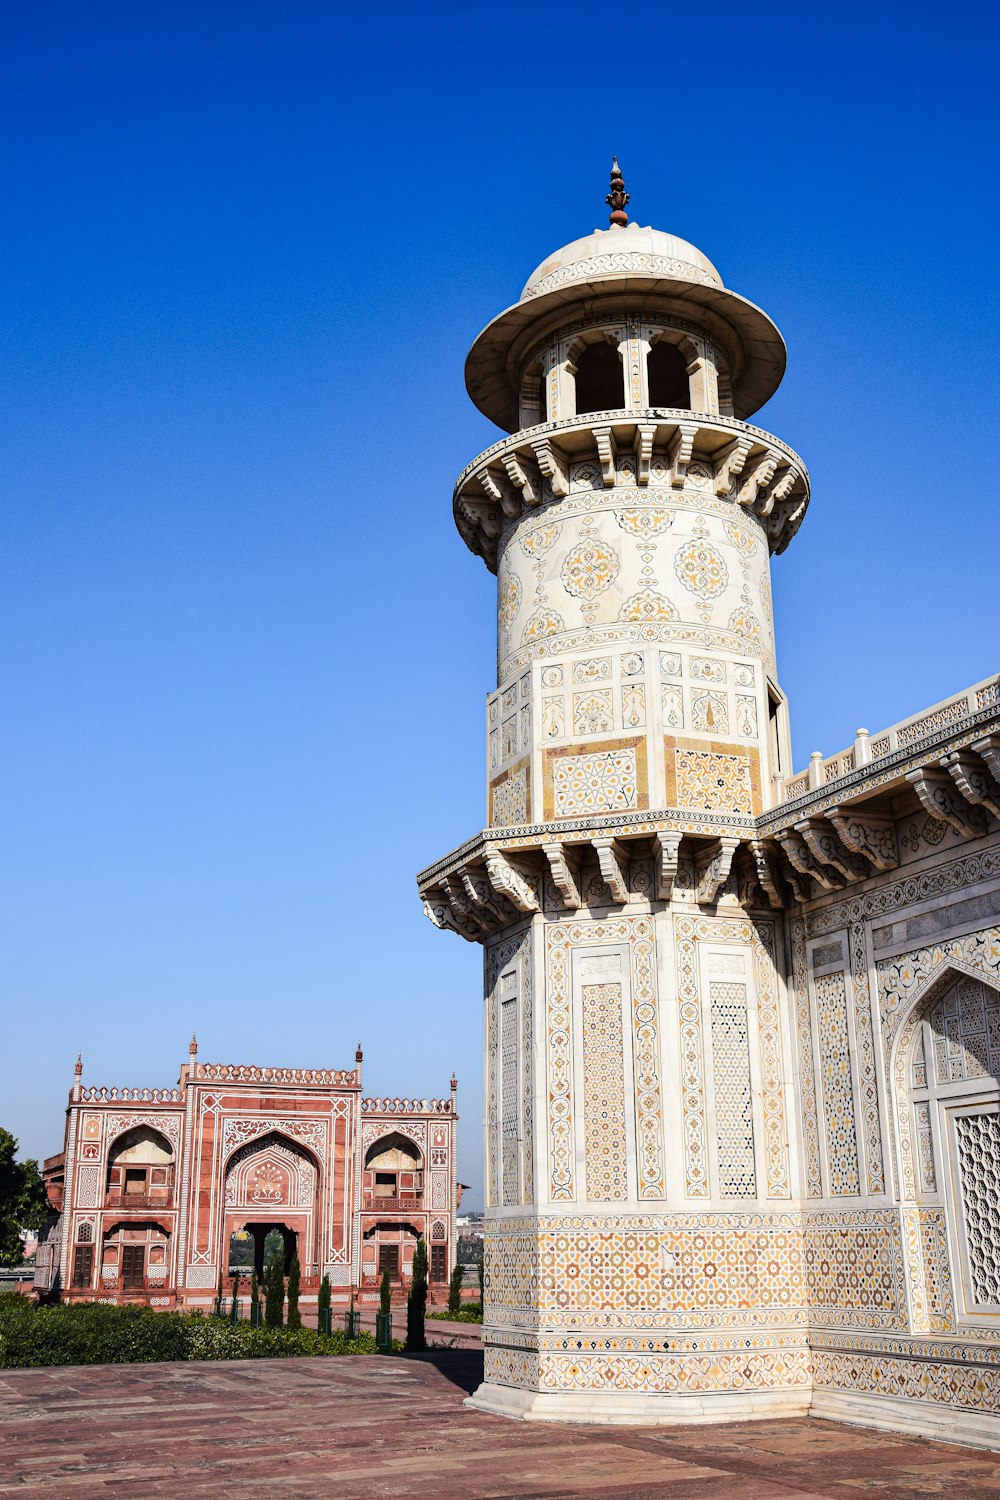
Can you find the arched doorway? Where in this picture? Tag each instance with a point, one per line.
(953, 1130)
(253, 1246)
(272, 1185)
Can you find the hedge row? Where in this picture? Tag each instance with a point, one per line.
(471, 1312)
(94, 1333)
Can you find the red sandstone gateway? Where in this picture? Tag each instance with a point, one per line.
(156, 1188)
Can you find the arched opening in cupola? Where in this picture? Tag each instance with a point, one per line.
(667, 376)
(600, 379)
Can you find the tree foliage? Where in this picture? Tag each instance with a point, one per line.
(385, 1294)
(294, 1318)
(23, 1204)
(274, 1294)
(416, 1302)
(455, 1289)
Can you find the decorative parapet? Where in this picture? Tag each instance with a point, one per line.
(950, 716)
(129, 1096)
(346, 1078)
(752, 468)
(407, 1106)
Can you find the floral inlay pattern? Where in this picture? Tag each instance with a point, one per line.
(590, 568)
(647, 604)
(510, 599)
(701, 568)
(542, 623)
(644, 523)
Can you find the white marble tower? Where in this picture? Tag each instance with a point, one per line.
(688, 1187)
(634, 1039)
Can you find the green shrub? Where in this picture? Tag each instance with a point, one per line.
(472, 1312)
(89, 1333)
(93, 1333)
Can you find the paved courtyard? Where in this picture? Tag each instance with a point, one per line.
(353, 1428)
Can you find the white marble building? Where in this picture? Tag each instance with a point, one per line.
(742, 1026)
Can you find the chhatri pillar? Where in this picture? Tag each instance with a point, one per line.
(643, 1249)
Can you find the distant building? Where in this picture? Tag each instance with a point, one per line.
(158, 1191)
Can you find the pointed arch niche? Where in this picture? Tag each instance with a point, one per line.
(946, 1073)
(270, 1173)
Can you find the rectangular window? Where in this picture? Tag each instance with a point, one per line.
(83, 1265)
(388, 1260)
(135, 1180)
(133, 1265)
(385, 1184)
(439, 1262)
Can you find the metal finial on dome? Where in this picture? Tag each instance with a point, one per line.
(78, 1066)
(193, 1045)
(617, 198)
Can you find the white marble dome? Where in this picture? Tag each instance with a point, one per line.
(632, 248)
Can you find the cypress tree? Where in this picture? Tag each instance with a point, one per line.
(274, 1293)
(294, 1319)
(455, 1289)
(254, 1301)
(416, 1302)
(323, 1301)
(385, 1294)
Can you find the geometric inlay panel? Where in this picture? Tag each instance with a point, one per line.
(604, 1093)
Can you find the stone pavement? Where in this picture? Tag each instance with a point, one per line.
(300, 1429)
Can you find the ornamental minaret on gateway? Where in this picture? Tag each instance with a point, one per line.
(641, 1173)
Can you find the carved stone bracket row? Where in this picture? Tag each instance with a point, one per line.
(491, 890)
(487, 888)
(757, 471)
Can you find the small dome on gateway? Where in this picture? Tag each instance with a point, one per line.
(622, 250)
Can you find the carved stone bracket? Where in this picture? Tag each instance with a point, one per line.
(731, 465)
(440, 912)
(873, 838)
(758, 479)
(942, 799)
(565, 876)
(552, 462)
(498, 488)
(712, 863)
(510, 882)
(666, 847)
(802, 859)
(479, 513)
(605, 440)
(525, 476)
(681, 450)
(989, 749)
(826, 846)
(464, 908)
(476, 884)
(645, 432)
(767, 873)
(613, 861)
(973, 780)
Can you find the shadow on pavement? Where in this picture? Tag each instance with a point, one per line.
(461, 1367)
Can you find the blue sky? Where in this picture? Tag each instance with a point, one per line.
(243, 650)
